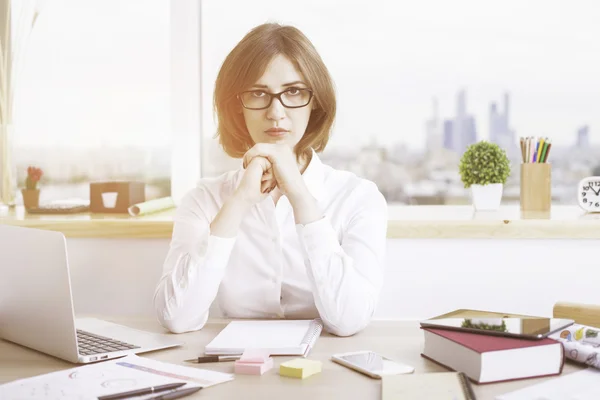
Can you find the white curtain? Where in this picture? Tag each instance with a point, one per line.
(7, 173)
(17, 20)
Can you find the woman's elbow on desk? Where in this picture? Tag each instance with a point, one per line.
(345, 328)
(181, 325)
(346, 318)
(176, 319)
(344, 331)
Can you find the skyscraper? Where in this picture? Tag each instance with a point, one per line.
(464, 132)
(470, 134)
(499, 125)
(448, 135)
(583, 137)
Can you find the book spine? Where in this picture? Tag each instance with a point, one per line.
(314, 331)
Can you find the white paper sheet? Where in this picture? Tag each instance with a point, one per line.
(582, 385)
(115, 376)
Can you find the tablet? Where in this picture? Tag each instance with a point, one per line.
(500, 324)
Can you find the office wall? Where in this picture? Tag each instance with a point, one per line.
(424, 277)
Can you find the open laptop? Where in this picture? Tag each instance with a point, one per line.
(36, 304)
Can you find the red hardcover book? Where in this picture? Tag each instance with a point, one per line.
(488, 358)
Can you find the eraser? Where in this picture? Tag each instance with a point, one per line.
(252, 368)
(300, 368)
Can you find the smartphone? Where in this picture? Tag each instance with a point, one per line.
(371, 364)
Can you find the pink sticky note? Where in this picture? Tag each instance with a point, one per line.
(253, 368)
(254, 356)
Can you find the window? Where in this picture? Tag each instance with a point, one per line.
(408, 72)
(93, 96)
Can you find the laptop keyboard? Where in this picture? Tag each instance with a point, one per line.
(90, 343)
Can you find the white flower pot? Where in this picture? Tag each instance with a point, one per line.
(486, 197)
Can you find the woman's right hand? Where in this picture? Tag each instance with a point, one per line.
(255, 185)
(257, 182)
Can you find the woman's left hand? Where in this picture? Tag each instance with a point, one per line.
(285, 168)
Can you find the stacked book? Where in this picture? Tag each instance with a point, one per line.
(487, 358)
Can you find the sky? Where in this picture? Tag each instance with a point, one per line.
(97, 71)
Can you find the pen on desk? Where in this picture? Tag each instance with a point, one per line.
(139, 392)
(211, 359)
(175, 394)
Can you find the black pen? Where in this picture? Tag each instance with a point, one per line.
(139, 392)
(210, 359)
(175, 394)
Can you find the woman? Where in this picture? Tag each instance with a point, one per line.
(286, 236)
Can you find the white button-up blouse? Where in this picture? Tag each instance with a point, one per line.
(274, 268)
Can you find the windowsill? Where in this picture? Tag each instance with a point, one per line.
(442, 222)
(453, 222)
(91, 225)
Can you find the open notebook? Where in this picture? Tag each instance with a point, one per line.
(278, 337)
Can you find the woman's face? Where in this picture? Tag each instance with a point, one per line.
(278, 124)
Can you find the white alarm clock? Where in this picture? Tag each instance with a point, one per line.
(588, 193)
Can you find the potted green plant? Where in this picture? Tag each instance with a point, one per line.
(484, 167)
(31, 194)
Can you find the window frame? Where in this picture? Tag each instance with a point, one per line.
(186, 97)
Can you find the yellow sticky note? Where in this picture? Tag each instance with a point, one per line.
(299, 368)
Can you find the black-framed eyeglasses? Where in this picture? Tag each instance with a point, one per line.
(290, 98)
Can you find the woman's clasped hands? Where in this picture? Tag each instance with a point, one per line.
(268, 166)
(257, 181)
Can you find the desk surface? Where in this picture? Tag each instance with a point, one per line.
(400, 340)
(415, 222)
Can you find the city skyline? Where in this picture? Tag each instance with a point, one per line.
(456, 132)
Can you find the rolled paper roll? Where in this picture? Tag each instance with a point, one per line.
(151, 206)
(581, 343)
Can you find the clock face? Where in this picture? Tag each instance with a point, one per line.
(589, 194)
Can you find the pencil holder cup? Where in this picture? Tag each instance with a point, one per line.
(536, 186)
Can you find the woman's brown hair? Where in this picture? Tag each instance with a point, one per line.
(247, 62)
